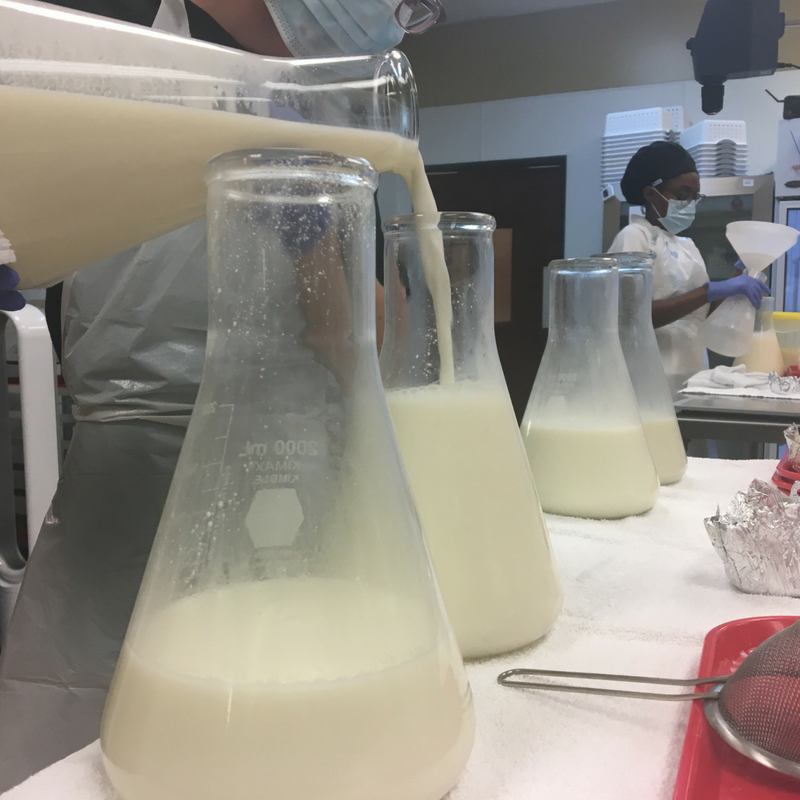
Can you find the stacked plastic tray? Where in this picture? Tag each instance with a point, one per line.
(628, 131)
(719, 147)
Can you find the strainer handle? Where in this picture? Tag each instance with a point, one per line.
(515, 678)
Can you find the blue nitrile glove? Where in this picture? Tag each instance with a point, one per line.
(9, 299)
(751, 288)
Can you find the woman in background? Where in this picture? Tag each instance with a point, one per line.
(662, 178)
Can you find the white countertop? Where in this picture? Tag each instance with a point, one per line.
(640, 595)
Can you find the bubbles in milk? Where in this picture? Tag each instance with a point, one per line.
(288, 690)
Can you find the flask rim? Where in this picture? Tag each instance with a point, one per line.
(444, 221)
(596, 265)
(631, 261)
(250, 164)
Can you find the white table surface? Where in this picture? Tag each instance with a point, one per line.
(640, 595)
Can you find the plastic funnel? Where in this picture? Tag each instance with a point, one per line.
(760, 243)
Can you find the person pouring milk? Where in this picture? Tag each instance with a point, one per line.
(662, 178)
(133, 345)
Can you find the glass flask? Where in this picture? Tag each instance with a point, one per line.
(639, 345)
(146, 110)
(460, 440)
(582, 428)
(289, 641)
(765, 353)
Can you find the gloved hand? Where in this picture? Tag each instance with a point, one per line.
(751, 288)
(9, 299)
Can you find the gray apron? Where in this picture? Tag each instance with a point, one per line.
(134, 344)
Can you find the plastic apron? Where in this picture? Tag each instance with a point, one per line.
(678, 268)
(134, 343)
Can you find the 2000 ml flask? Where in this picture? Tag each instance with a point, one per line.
(460, 441)
(639, 344)
(289, 641)
(582, 428)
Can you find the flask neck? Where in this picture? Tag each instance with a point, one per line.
(635, 300)
(291, 255)
(583, 304)
(411, 354)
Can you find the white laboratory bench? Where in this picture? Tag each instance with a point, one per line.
(639, 596)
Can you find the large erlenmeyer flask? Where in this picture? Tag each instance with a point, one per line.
(460, 440)
(107, 127)
(582, 428)
(640, 347)
(289, 641)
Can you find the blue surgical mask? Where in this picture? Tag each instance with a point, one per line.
(680, 215)
(314, 28)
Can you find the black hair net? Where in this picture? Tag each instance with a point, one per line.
(659, 161)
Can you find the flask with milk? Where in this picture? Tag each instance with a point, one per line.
(289, 640)
(460, 441)
(582, 428)
(640, 347)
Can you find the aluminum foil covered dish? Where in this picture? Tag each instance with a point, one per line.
(758, 540)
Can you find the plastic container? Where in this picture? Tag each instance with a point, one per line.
(289, 640)
(645, 366)
(713, 131)
(765, 353)
(582, 418)
(787, 329)
(461, 443)
(107, 127)
(643, 120)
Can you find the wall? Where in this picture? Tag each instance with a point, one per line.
(621, 43)
(573, 125)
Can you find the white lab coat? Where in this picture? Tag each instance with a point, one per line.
(678, 269)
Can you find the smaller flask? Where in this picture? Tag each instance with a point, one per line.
(582, 428)
(640, 347)
(765, 351)
(460, 440)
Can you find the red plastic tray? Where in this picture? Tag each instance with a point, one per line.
(709, 768)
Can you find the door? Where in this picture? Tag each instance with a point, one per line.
(527, 198)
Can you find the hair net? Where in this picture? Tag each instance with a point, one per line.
(336, 27)
(659, 161)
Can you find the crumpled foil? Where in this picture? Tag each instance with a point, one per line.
(785, 385)
(792, 434)
(758, 540)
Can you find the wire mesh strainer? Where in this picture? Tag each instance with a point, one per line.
(756, 710)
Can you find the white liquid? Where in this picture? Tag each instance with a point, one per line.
(764, 355)
(666, 447)
(84, 177)
(480, 514)
(305, 689)
(600, 474)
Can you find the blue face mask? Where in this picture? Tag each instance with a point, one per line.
(314, 28)
(680, 214)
